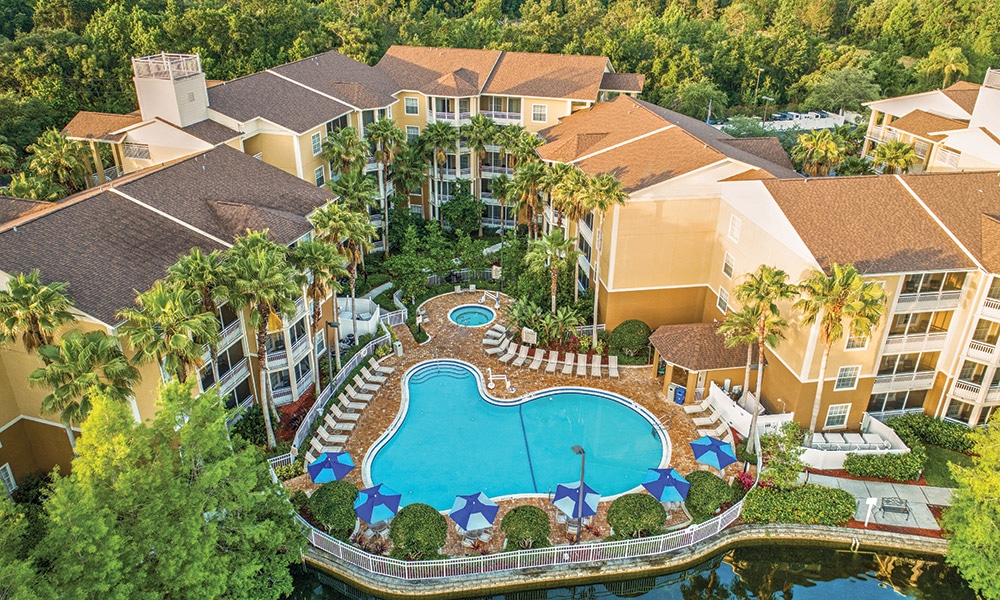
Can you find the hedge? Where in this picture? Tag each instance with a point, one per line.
(914, 430)
(417, 533)
(898, 467)
(332, 505)
(806, 504)
(629, 338)
(947, 435)
(706, 495)
(526, 527)
(636, 515)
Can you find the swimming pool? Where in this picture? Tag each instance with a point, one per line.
(451, 438)
(471, 315)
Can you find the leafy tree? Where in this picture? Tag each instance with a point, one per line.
(636, 515)
(694, 98)
(33, 187)
(944, 61)
(33, 311)
(409, 267)
(333, 506)
(550, 254)
(895, 156)
(18, 580)
(62, 161)
(463, 212)
(843, 89)
(417, 532)
(781, 454)
(8, 157)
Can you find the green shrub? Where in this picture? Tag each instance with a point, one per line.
(332, 505)
(947, 435)
(286, 472)
(807, 504)
(382, 351)
(251, 426)
(630, 338)
(299, 499)
(706, 495)
(636, 515)
(898, 467)
(32, 488)
(526, 527)
(417, 533)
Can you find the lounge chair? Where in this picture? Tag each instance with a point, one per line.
(355, 395)
(855, 439)
(835, 438)
(372, 377)
(341, 415)
(522, 356)
(331, 438)
(709, 421)
(697, 408)
(727, 436)
(595, 366)
(499, 349)
(493, 341)
(875, 440)
(332, 424)
(497, 330)
(365, 386)
(537, 362)
(613, 365)
(458, 289)
(553, 361)
(581, 365)
(568, 365)
(348, 405)
(472, 288)
(380, 369)
(319, 447)
(718, 431)
(510, 353)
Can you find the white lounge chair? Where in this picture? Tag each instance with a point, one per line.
(510, 353)
(331, 438)
(341, 415)
(595, 366)
(497, 330)
(522, 356)
(346, 403)
(458, 289)
(380, 369)
(372, 377)
(472, 288)
(553, 362)
(581, 365)
(364, 386)
(332, 424)
(355, 395)
(319, 447)
(718, 431)
(537, 362)
(568, 365)
(613, 365)
(493, 341)
(697, 408)
(499, 349)
(709, 421)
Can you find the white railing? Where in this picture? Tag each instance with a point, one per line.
(991, 308)
(981, 351)
(282, 396)
(589, 329)
(304, 383)
(929, 300)
(947, 157)
(497, 115)
(298, 345)
(461, 275)
(226, 338)
(394, 318)
(966, 390)
(445, 116)
(233, 376)
(493, 170)
(992, 79)
(109, 174)
(920, 342)
(903, 381)
(277, 359)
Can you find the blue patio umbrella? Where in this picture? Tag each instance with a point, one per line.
(330, 466)
(473, 512)
(376, 504)
(568, 497)
(666, 485)
(713, 452)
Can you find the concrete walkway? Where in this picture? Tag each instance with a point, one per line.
(376, 291)
(917, 496)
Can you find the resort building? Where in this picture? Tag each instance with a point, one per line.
(954, 129)
(115, 239)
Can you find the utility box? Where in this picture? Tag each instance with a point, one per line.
(398, 346)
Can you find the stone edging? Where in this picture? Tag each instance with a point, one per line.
(740, 535)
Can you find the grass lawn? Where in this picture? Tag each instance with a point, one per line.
(936, 470)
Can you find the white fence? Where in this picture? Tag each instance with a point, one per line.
(589, 329)
(394, 318)
(461, 275)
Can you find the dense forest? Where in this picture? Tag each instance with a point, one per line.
(60, 56)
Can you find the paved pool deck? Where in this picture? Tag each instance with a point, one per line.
(918, 497)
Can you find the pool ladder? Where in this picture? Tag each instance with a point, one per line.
(495, 298)
(503, 378)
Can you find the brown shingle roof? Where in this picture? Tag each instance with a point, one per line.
(14, 208)
(768, 148)
(872, 222)
(697, 347)
(751, 175)
(420, 68)
(211, 132)
(921, 123)
(601, 126)
(87, 125)
(548, 76)
(964, 94)
(277, 100)
(343, 78)
(623, 82)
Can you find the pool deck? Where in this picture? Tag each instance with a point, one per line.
(449, 340)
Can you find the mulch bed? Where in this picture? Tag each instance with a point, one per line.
(931, 533)
(845, 475)
(292, 416)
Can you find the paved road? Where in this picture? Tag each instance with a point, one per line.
(917, 496)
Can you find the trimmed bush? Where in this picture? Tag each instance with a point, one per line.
(807, 504)
(417, 533)
(332, 505)
(898, 467)
(526, 527)
(708, 492)
(299, 499)
(251, 427)
(947, 435)
(630, 337)
(636, 515)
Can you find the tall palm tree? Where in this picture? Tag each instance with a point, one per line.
(896, 156)
(324, 265)
(818, 151)
(344, 150)
(525, 148)
(525, 187)
(550, 253)
(567, 197)
(944, 61)
(500, 187)
(554, 175)
(603, 192)
(739, 328)
(331, 224)
(842, 298)
(479, 132)
(409, 169)
(169, 327)
(387, 138)
(61, 160)
(79, 364)
(33, 311)
(357, 242)
(356, 190)
(261, 280)
(440, 138)
(206, 276)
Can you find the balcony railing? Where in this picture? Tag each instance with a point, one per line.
(277, 359)
(227, 337)
(497, 170)
(921, 342)
(282, 396)
(302, 385)
(233, 376)
(464, 115)
(966, 390)
(466, 172)
(501, 116)
(991, 308)
(446, 172)
(947, 157)
(992, 79)
(981, 351)
(444, 116)
(901, 382)
(299, 345)
(929, 301)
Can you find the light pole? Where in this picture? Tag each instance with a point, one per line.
(336, 346)
(579, 508)
(763, 116)
(756, 88)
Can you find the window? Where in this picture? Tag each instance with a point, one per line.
(897, 401)
(727, 265)
(856, 343)
(735, 224)
(7, 478)
(336, 124)
(302, 369)
(298, 330)
(279, 380)
(723, 302)
(320, 175)
(411, 106)
(847, 378)
(539, 113)
(317, 143)
(137, 151)
(584, 246)
(412, 133)
(514, 108)
(463, 106)
(190, 96)
(836, 416)
(959, 411)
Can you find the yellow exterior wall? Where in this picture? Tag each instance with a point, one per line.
(417, 120)
(555, 110)
(278, 150)
(30, 446)
(654, 307)
(309, 162)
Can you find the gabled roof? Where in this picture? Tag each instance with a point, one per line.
(282, 102)
(211, 132)
(955, 102)
(697, 347)
(768, 148)
(964, 94)
(548, 76)
(99, 126)
(872, 222)
(421, 68)
(344, 78)
(622, 82)
(923, 124)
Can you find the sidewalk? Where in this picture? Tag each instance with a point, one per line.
(917, 496)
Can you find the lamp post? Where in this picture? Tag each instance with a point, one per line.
(579, 507)
(756, 88)
(336, 346)
(763, 115)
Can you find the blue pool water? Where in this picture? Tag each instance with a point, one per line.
(471, 315)
(453, 441)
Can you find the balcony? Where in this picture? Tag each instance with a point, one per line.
(991, 309)
(901, 382)
(282, 396)
(233, 377)
(299, 347)
(465, 173)
(493, 171)
(966, 390)
(928, 301)
(302, 385)
(446, 173)
(499, 116)
(227, 337)
(921, 342)
(277, 359)
(981, 351)
(444, 116)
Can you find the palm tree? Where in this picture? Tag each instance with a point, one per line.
(8, 156)
(855, 165)
(944, 61)
(500, 187)
(740, 328)
(567, 199)
(764, 289)
(896, 156)
(550, 253)
(33, 187)
(80, 364)
(564, 320)
(525, 148)
(169, 327)
(524, 192)
(330, 224)
(387, 138)
(818, 151)
(344, 150)
(440, 138)
(62, 161)
(261, 280)
(601, 194)
(324, 264)
(850, 137)
(206, 276)
(841, 298)
(357, 242)
(481, 131)
(409, 169)
(356, 190)
(553, 177)
(33, 311)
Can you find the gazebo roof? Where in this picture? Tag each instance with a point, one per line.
(697, 347)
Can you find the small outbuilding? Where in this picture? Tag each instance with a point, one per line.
(689, 356)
